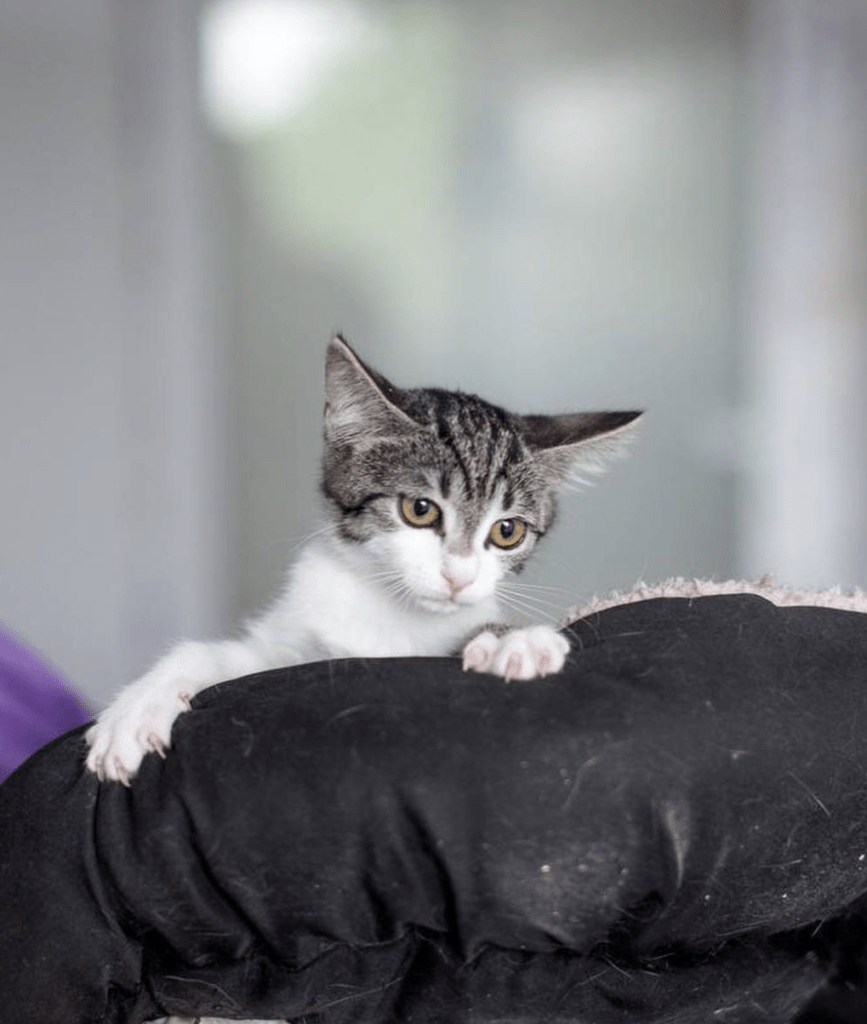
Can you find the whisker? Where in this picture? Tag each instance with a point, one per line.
(527, 610)
(555, 606)
(525, 616)
(536, 600)
(507, 604)
(389, 574)
(399, 591)
(328, 528)
(534, 611)
(542, 600)
(376, 574)
(538, 586)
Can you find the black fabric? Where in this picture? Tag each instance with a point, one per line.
(672, 830)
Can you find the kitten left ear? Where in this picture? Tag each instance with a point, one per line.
(575, 443)
(359, 402)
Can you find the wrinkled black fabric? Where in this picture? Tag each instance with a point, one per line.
(672, 830)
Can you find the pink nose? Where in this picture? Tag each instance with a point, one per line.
(459, 573)
(455, 585)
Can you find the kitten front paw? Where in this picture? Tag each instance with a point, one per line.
(520, 654)
(138, 722)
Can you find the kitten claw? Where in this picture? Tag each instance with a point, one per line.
(121, 774)
(156, 745)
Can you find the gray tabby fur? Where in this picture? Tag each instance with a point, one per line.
(382, 441)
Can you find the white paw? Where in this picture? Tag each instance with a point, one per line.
(137, 722)
(520, 654)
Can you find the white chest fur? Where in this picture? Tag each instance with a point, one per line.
(330, 609)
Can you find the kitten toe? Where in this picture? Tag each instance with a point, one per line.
(480, 651)
(474, 660)
(551, 651)
(514, 660)
(514, 667)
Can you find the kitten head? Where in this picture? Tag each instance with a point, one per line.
(442, 494)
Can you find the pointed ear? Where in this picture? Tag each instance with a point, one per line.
(571, 445)
(359, 402)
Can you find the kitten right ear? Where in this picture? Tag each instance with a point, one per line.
(359, 402)
(574, 444)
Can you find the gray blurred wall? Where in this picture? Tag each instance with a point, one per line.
(111, 447)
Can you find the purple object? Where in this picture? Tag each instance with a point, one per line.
(36, 704)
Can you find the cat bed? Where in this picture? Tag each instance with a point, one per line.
(674, 829)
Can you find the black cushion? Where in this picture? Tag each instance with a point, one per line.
(673, 829)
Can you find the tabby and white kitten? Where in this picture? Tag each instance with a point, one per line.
(433, 499)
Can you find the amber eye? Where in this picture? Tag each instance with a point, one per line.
(419, 511)
(508, 533)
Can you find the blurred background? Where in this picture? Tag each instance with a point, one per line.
(561, 205)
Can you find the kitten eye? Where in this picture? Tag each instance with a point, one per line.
(419, 511)
(508, 533)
